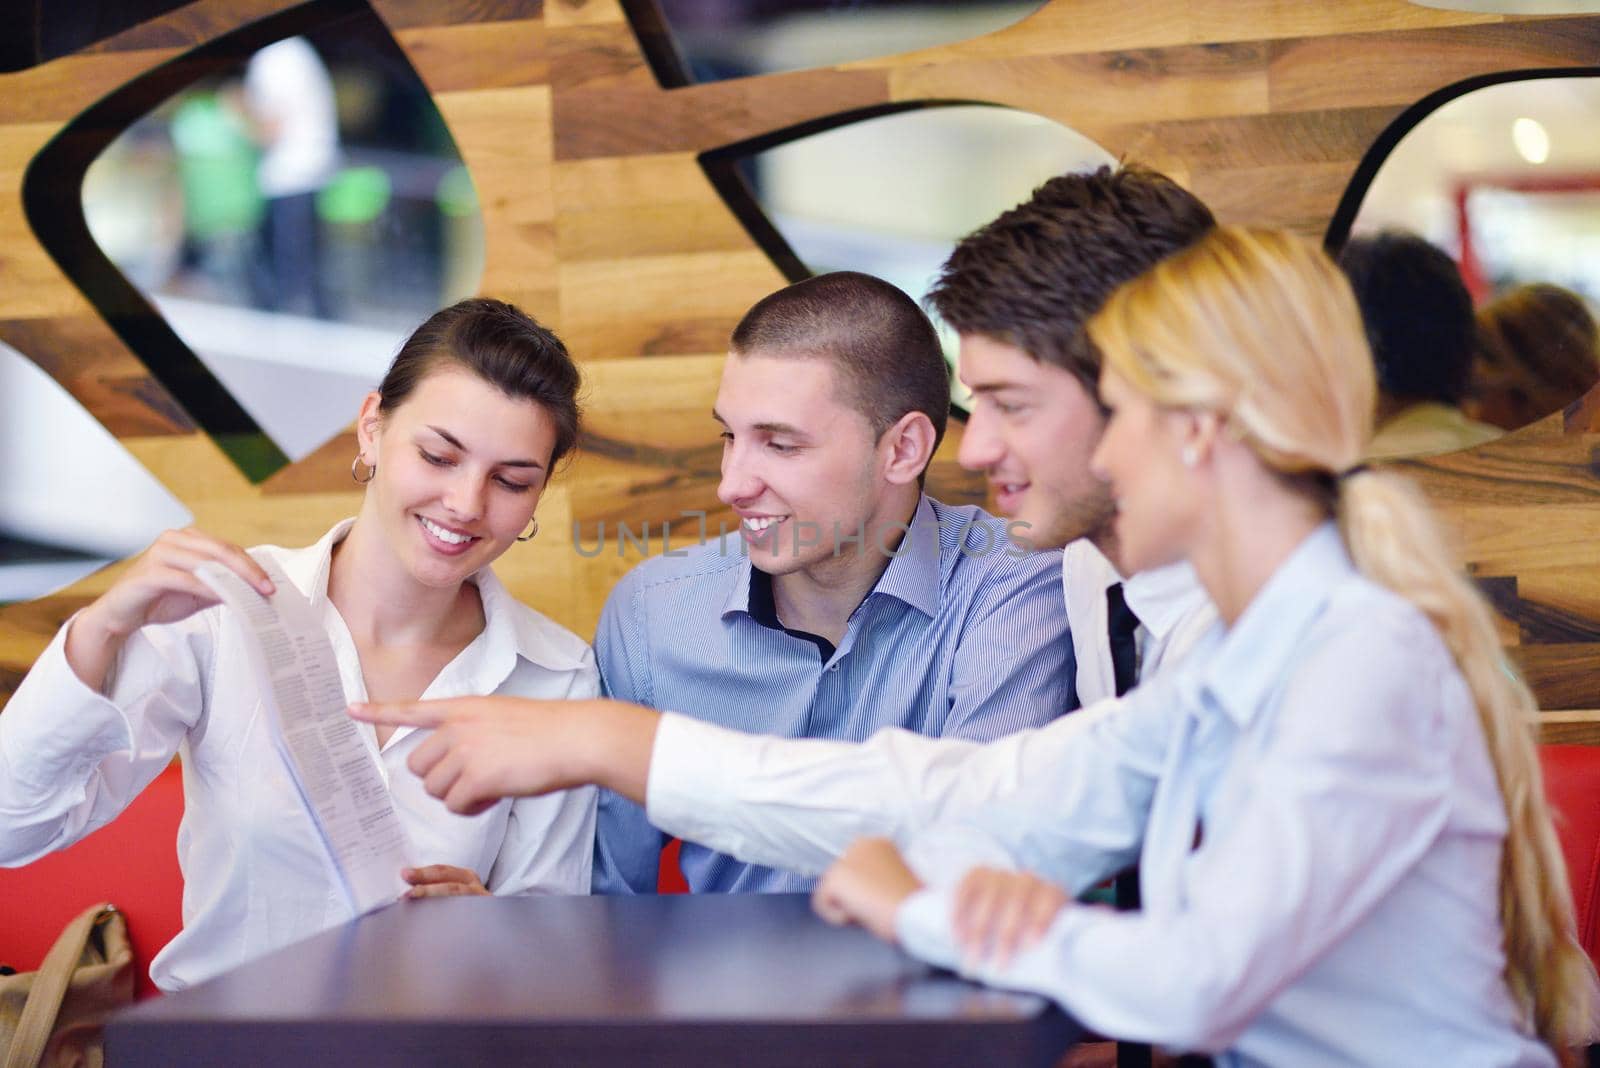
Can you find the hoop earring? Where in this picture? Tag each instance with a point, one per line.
(532, 531)
(356, 463)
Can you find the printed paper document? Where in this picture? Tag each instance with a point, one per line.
(334, 769)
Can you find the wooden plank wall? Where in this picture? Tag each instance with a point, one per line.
(599, 220)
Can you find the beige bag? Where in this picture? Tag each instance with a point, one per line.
(52, 1018)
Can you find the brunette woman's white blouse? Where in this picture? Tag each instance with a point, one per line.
(1321, 832)
(255, 874)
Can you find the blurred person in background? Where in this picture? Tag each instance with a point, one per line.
(216, 158)
(1539, 351)
(289, 96)
(1420, 326)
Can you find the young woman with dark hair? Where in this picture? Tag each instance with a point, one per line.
(455, 448)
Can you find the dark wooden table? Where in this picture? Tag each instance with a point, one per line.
(652, 981)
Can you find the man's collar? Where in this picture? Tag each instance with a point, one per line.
(1164, 597)
(913, 574)
(738, 599)
(762, 603)
(1161, 598)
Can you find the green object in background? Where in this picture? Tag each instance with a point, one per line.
(216, 162)
(456, 196)
(254, 453)
(354, 195)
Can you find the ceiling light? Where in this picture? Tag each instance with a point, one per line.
(1533, 143)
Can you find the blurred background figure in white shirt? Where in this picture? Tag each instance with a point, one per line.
(290, 100)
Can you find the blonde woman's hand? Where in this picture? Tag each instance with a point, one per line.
(443, 880)
(158, 587)
(998, 913)
(866, 886)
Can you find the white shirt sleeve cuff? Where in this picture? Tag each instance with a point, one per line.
(54, 726)
(922, 926)
(689, 774)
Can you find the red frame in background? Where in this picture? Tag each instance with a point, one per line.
(1470, 266)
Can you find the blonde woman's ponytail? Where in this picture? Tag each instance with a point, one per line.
(1393, 539)
(1262, 326)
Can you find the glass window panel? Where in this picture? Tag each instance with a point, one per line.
(72, 499)
(291, 215)
(892, 194)
(1506, 179)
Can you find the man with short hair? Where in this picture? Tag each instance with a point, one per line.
(847, 601)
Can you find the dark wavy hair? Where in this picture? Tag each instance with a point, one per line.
(1418, 315)
(1034, 276)
(502, 345)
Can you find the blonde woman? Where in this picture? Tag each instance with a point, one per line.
(1346, 853)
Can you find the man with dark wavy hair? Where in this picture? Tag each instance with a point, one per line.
(1018, 292)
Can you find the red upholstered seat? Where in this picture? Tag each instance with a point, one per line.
(669, 876)
(1572, 783)
(132, 863)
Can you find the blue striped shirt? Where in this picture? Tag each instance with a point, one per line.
(963, 636)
